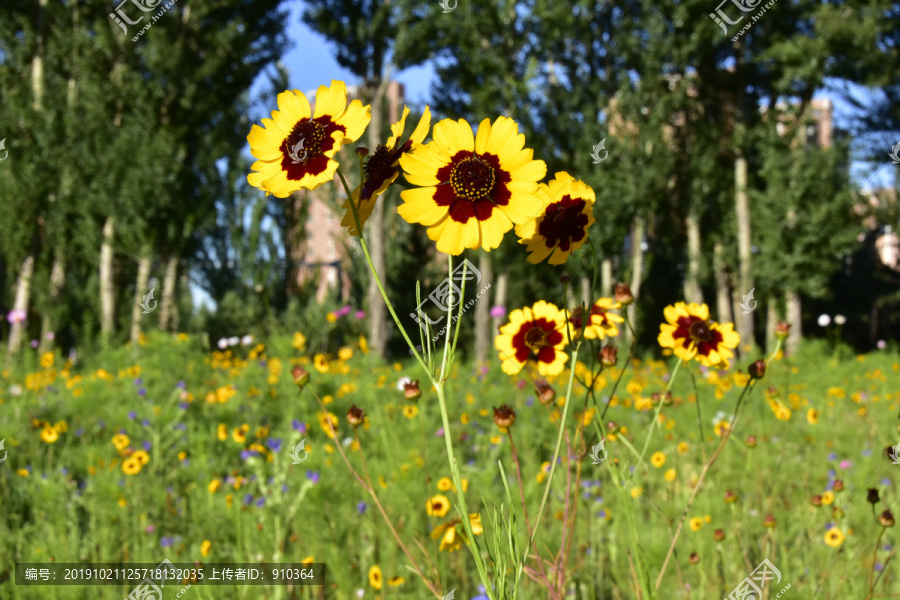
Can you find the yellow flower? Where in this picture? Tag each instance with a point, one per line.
(437, 506)
(363, 345)
(670, 475)
(299, 341)
(561, 226)
(214, 486)
(308, 560)
(382, 168)
(636, 491)
(238, 435)
(444, 484)
(375, 577)
(131, 466)
(120, 441)
(328, 422)
(827, 497)
(696, 523)
(205, 547)
(49, 434)
(410, 411)
(222, 432)
(295, 148)
(834, 537)
(533, 333)
(812, 416)
(321, 363)
(682, 447)
(465, 485)
(658, 459)
(331, 317)
(395, 581)
(450, 538)
(472, 189)
(345, 353)
(691, 334)
(142, 457)
(22, 473)
(47, 360)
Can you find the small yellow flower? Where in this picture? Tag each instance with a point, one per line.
(827, 497)
(658, 459)
(205, 547)
(636, 491)
(238, 435)
(123, 502)
(142, 457)
(395, 581)
(345, 353)
(465, 485)
(47, 360)
(375, 577)
(696, 523)
(834, 537)
(120, 441)
(707, 518)
(299, 341)
(670, 475)
(812, 416)
(214, 485)
(410, 411)
(22, 473)
(49, 435)
(444, 484)
(331, 317)
(308, 560)
(320, 362)
(131, 466)
(222, 432)
(437, 506)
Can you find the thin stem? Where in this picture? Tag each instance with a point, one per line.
(874, 558)
(655, 422)
(627, 362)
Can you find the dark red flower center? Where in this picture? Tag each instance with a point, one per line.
(304, 148)
(698, 331)
(378, 169)
(471, 186)
(564, 222)
(536, 338)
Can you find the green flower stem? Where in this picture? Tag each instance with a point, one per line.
(624, 367)
(654, 425)
(365, 248)
(559, 437)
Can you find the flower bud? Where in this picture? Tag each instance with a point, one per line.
(695, 558)
(504, 416)
(565, 279)
(838, 485)
(612, 427)
(730, 496)
(816, 500)
(411, 390)
(718, 535)
(769, 521)
(608, 355)
(362, 151)
(623, 294)
(301, 376)
(757, 370)
(355, 415)
(546, 394)
(886, 519)
(751, 441)
(782, 330)
(872, 496)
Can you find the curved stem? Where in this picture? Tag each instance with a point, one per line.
(655, 422)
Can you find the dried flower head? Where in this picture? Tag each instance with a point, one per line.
(623, 294)
(355, 415)
(872, 496)
(782, 330)
(608, 355)
(504, 416)
(886, 519)
(301, 376)
(757, 370)
(411, 390)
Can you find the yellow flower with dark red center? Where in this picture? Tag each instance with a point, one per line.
(410, 411)
(471, 189)
(120, 441)
(691, 334)
(437, 506)
(602, 323)
(834, 537)
(320, 361)
(375, 578)
(696, 523)
(534, 333)
(827, 497)
(222, 432)
(295, 147)
(131, 466)
(49, 434)
(214, 486)
(142, 457)
(452, 534)
(444, 484)
(561, 228)
(395, 581)
(239, 435)
(658, 459)
(382, 168)
(812, 416)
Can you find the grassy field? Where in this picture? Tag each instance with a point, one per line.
(165, 451)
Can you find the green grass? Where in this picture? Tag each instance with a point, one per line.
(114, 517)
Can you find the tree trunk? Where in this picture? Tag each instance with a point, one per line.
(499, 300)
(137, 312)
(772, 319)
(168, 308)
(795, 318)
(637, 273)
(723, 296)
(107, 300)
(745, 281)
(57, 281)
(483, 334)
(692, 290)
(585, 293)
(606, 280)
(23, 293)
(378, 330)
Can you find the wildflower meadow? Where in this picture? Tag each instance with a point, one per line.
(335, 343)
